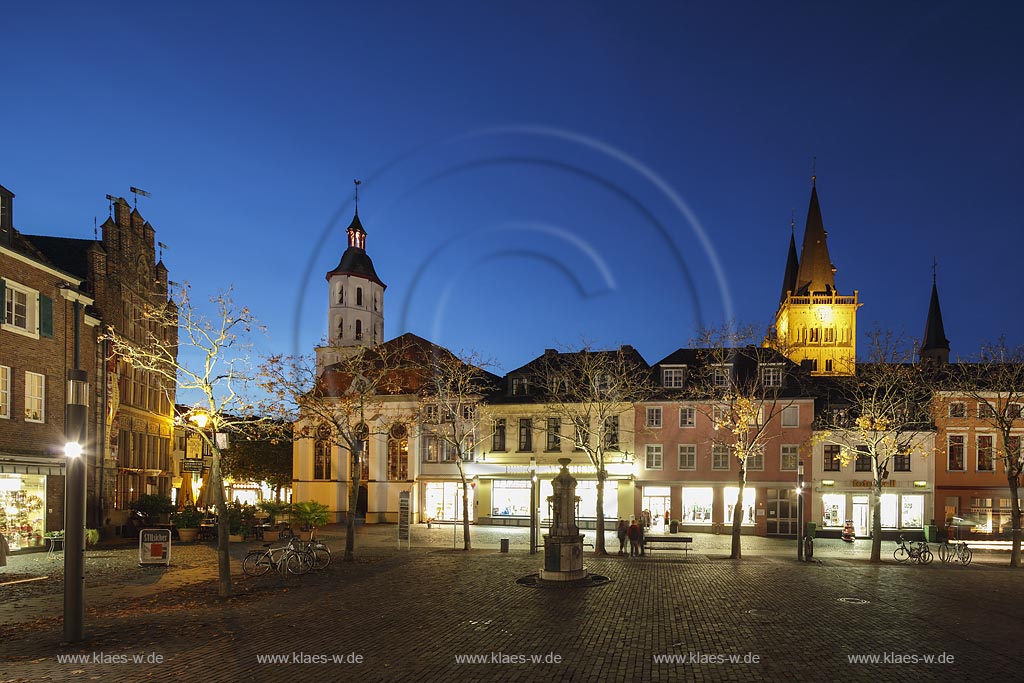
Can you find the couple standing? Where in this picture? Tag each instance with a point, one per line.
(635, 533)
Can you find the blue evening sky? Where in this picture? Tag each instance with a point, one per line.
(536, 173)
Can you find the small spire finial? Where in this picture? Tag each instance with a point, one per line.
(935, 265)
(357, 183)
(814, 170)
(792, 221)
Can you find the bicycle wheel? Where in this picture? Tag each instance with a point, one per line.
(901, 554)
(965, 555)
(925, 557)
(256, 563)
(945, 553)
(298, 563)
(321, 557)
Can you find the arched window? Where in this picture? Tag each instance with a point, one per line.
(341, 328)
(341, 294)
(322, 454)
(398, 453)
(359, 329)
(359, 296)
(363, 434)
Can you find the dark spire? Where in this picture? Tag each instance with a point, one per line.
(935, 346)
(816, 273)
(792, 265)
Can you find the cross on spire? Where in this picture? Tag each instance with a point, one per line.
(357, 183)
(935, 265)
(814, 170)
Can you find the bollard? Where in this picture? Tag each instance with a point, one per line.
(504, 545)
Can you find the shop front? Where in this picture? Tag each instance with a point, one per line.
(31, 503)
(442, 501)
(903, 509)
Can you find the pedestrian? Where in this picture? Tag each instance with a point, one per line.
(666, 519)
(634, 539)
(622, 531)
(4, 550)
(640, 540)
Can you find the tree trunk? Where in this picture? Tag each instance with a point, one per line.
(223, 529)
(602, 476)
(737, 515)
(466, 543)
(1015, 514)
(353, 503)
(876, 517)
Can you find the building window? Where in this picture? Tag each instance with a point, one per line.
(654, 417)
(815, 335)
(831, 453)
(469, 412)
(398, 454)
(771, 376)
(20, 307)
(673, 377)
(525, 434)
(791, 416)
(359, 296)
(955, 450)
(863, 462)
(957, 409)
(790, 457)
(5, 391)
(322, 460)
(720, 416)
(830, 335)
(720, 377)
(582, 435)
(35, 397)
(985, 410)
(755, 461)
(654, 457)
(901, 462)
(554, 429)
(687, 416)
(985, 453)
(498, 438)
(611, 433)
(719, 457)
(1013, 411)
(687, 456)
(828, 365)
(833, 509)
(519, 386)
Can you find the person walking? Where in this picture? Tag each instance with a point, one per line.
(634, 539)
(622, 531)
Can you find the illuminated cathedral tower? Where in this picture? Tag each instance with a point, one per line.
(815, 325)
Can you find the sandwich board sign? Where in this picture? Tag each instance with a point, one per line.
(404, 518)
(154, 547)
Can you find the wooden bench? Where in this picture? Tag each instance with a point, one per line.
(669, 541)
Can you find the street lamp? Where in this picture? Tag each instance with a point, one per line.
(533, 505)
(800, 510)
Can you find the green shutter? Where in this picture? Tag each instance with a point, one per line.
(45, 316)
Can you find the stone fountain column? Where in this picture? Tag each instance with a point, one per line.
(563, 546)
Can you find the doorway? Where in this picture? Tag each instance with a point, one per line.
(656, 500)
(861, 517)
(781, 506)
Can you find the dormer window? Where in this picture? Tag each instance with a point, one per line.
(673, 377)
(771, 376)
(519, 386)
(720, 377)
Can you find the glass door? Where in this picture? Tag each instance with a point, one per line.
(861, 516)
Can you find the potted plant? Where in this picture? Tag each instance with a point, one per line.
(187, 521)
(310, 514)
(153, 508)
(240, 520)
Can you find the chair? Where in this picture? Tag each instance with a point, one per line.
(55, 541)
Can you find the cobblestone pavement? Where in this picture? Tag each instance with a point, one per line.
(409, 614)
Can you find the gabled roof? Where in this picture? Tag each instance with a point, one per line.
(815, 272)
(67, 253)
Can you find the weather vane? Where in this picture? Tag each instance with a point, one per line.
(357, 183)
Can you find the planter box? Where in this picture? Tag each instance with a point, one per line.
(236, 538)
(187, 535)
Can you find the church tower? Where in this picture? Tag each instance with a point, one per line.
(815, 325)
(355, 313)
(935, 346)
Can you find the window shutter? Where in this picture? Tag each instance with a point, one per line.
(3, 301)
(45, 316)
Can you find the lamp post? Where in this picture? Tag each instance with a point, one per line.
(533, 505)
(76, 431)
(799, 510)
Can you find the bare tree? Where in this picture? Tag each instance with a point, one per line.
(880, 412)
(453, 387)
(592, 392)
(996, 382)
(209, 363)
(342, 404)
(743, 389)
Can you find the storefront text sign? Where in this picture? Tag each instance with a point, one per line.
(867, 483)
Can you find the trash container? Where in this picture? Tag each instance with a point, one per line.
(504, 545)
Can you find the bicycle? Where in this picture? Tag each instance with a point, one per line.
(285, 559)
(954, 550)
(918, 551)
(317, 551)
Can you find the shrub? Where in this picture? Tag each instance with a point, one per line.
(310, 513)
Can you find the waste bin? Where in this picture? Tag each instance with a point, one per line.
(504, 545)
(931, 533)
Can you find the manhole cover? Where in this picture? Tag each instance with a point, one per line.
(853, 601)
(762, 612)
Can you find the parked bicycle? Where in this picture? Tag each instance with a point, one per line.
(286, 559)
(955, 550)
(317, 551)
(917, 551)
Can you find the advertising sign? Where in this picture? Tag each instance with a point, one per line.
(404, 517)
(154, 547)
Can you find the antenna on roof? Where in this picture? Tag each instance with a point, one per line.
(110, 205)
(357, 183)
(162, 247)
(136, 191)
